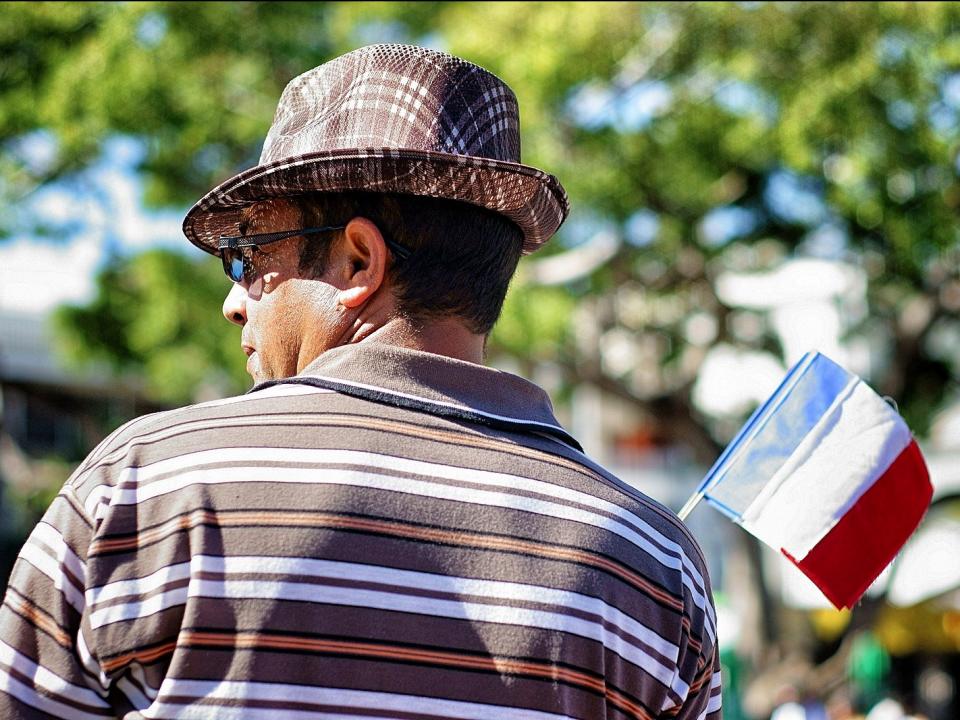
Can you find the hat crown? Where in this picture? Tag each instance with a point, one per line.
(397, 97)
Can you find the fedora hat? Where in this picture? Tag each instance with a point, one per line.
(392, 119)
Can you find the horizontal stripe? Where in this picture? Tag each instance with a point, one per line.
(852, 445)
(276, 518)
(137, 586)
(449, 411)
(389, 653)
(401, 579)
(111, 450)
(335, 701)
(48, 536)
(43, 679)
(398, 597)
(715, 704)
(37, 617)
(865, 540)
(138, 485)
(144, 656)
(34, 554)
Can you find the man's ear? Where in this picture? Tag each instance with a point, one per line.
(359, 261)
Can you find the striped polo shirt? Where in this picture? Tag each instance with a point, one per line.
(390, 534)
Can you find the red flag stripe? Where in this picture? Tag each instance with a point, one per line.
(849, 558)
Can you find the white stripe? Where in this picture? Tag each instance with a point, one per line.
(673, 557)
(291, 566)
(333, 697)
(92, 666)
(152, 418)
(399, 602)
(281, 390)
(138, 586)
(848, 449)
(133, 694)
(97, 501)
(50, 567)
(49, 536)
(439, 403)
(28, 696)
(716, 701)
(129, 611)
(137, 673)
(44, 680)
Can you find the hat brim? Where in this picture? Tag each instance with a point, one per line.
(534, 200)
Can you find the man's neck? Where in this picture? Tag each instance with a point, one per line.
(446, 337)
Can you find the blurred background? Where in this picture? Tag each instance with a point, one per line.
(748, 180)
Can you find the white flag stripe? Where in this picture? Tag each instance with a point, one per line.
(47, 535)
(46, 680)
(49, 566)
(331, 697)
(406, 579)
(851, 446)
(673, 557)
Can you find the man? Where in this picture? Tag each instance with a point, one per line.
(382, 527)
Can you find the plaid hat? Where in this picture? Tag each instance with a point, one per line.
(392, 119)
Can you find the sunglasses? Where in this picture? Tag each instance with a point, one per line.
(239, 266)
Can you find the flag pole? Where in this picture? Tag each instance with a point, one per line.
(691, 504)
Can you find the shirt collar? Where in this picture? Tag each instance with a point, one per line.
(435, 384)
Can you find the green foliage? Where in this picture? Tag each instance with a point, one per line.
(535, 322)
(676, 109)
(157, 314)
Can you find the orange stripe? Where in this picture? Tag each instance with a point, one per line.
(253, 641)
(384, 527)
(38, 618)
(142, 656)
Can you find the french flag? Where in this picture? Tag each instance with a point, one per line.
(826, 472)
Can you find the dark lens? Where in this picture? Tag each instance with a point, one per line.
(232, 263)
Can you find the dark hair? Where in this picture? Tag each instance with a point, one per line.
(462, 257)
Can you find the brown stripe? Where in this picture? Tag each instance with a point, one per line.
(243, 518)
(389, 652)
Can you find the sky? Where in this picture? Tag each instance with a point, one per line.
(95, 214)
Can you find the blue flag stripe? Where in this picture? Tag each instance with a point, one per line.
(773, 433)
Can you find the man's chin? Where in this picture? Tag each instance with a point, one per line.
(253, 368)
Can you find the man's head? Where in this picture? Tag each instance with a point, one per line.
(305, 294)
(413, 157)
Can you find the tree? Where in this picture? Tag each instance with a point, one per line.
(774, 122)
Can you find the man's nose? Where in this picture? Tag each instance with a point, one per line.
(235, 305)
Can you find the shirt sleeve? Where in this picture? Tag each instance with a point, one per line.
(704, 699)
(46, 670)
(698, 663)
